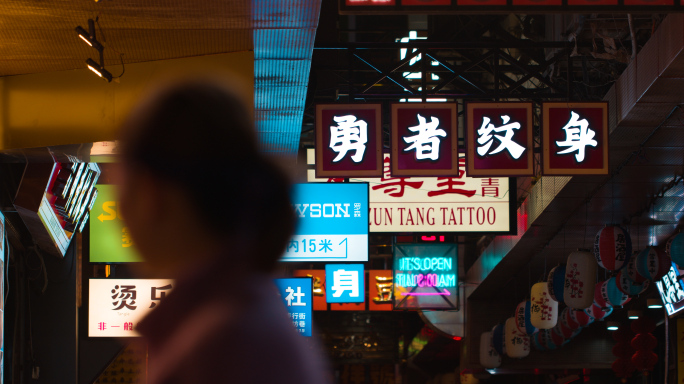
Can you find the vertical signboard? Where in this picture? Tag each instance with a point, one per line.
(332, 223)
(348, 140)
(424, 140)
(575, 138)
(297, 296)
(499, 139)
(115, 306)
(110, 241)
(671, 290)
(425, 276)
(380, 290)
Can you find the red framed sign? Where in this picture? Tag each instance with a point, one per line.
(575, 138)
(424, 140)
(499, 139)
(348, 140)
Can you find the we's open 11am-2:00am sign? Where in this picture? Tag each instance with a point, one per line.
(425, 276)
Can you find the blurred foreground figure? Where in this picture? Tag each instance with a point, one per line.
(205, 207)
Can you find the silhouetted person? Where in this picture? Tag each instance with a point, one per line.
(206, 208)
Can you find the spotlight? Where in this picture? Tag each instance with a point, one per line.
(89, 36)
(654, 303)
(633, 314)
(98, 70)
(612, 325)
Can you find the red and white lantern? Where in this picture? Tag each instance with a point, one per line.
(489, 358)
(598, 313)
(581, 317)
(556, 282)
(580, 277)
(627, 286)
(544, 310)
(567, 320)
(652, 263)
(632, 269)
(612, 248)
(522, 318)
(517, 343)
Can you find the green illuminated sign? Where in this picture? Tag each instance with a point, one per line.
(425, 276)
(110, 241)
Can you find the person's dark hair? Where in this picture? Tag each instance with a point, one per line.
(200, 136)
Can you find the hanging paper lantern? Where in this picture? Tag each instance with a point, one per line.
(652, 263)
(623, 349)
(522, 318)
(489, 358)
(546, 340)
(611, 294)
(556, 283)
(632, 269)
(675, 249)
(536, 343)
(580, 277)
(597, 312)
(627, 286)
(557, 336)
(543, 310)
(567, 320)
(581, 317)
(517, 343)
(644, 341)
(644, 360)
(598, 295)
(612, 248)
(467, 377)
(565, 331)
(498, 339)
(623, 367)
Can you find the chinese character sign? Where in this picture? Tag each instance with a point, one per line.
(348, 140)
(425, 276)
(297, 297)
(110, 241)
(575, 138)
(671, 290)
(115, 306)
(345, 283)
(499, 139)
(332, 222)
(424, 140)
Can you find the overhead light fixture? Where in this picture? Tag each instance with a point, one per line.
(633, 314)
(612, 325)
(99, 70)
(89, 36)
(90, 39)
(654, 303)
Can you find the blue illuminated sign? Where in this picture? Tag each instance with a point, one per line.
(344, 283)
(425, 276)
(671, 289)
(297, 296)
(332, 222)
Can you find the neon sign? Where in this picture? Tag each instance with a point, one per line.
(425, 276)
(671, 290)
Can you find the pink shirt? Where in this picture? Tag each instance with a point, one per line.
(219, 328)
